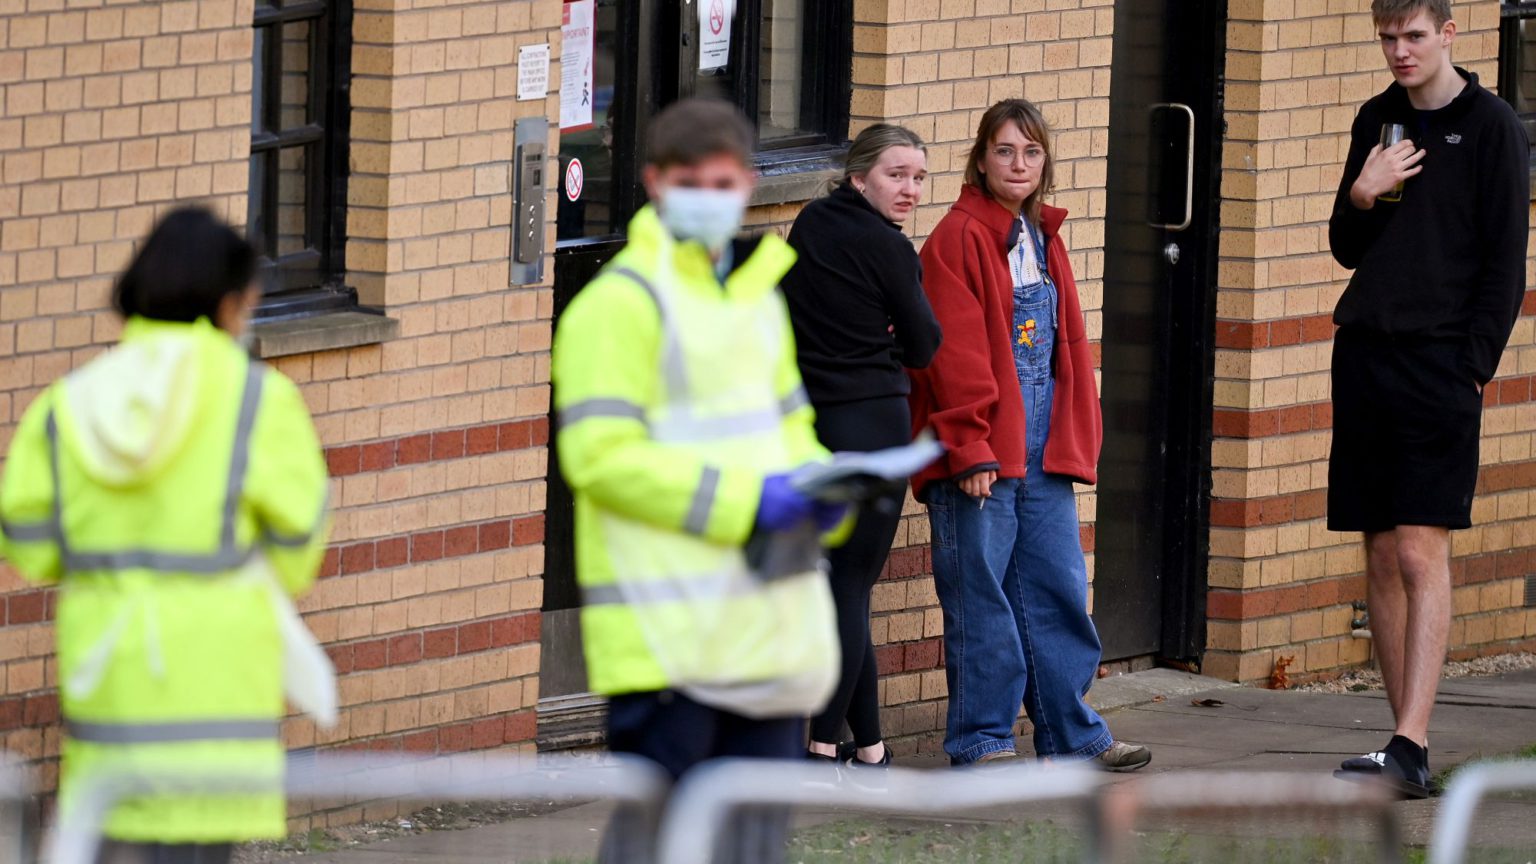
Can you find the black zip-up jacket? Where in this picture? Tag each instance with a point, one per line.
(857, 277)
(1448, 261)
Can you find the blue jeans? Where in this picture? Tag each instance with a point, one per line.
(1012, 582)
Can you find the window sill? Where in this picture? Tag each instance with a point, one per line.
(789, 177)
(326, 332)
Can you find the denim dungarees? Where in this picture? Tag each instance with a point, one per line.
(1010, 574)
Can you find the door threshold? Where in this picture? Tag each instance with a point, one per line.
(571, 722)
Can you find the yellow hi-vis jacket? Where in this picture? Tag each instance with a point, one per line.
(165, 485)
(675, 397)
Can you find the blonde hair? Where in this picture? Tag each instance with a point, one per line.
(870, 144)
(1024, 114)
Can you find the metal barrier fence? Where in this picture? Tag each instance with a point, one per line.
(1471, 787)
(1297, 800)
(708, 799)
(14, 799)
(705, 803)
(688, 827)
(637, 786)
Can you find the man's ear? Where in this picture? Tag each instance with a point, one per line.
(1448, 33)
(651, 179)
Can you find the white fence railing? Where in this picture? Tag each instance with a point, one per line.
(688, 823)
(1469, 788)
(15, 795)
(708, 799)
(636, 785)
(1124, 807)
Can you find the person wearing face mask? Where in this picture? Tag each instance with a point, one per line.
(175, 491)
(1012, 395)
(856, 301)
(680, 417)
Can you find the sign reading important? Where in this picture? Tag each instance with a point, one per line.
(577, 43)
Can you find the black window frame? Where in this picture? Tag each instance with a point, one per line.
(1511, 13)
(313, 280)
(826, 76)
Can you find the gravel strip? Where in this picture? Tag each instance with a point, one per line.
(1361, 680)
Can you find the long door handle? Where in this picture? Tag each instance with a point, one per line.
(1189, 169)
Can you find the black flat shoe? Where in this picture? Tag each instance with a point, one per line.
(1409, 781)
(868, 775)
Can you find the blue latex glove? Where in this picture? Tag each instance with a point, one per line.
(782, 508)
(828, 514)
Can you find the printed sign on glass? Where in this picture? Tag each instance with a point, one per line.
(577, 35)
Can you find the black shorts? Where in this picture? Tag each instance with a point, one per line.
(1406, 422)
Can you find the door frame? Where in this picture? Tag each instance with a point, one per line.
(1152, 554)
(566, 720)
(1188, 493)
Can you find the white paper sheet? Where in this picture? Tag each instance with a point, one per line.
(578, 35)
(532, 72)
(715, 33)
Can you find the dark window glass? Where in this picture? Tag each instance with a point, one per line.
(1517, 60)
(789, 67)
(295, 213)
(587, 207)
(781, 93)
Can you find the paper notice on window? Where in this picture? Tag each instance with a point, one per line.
(532, 72)
(715, 33)
(577, 45)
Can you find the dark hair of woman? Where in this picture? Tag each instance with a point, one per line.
(189, 263)
(1029, 119)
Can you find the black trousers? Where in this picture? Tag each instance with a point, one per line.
(679, 734)
(116, 852)
(864, 425)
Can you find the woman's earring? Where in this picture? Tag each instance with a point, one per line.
(859, 189)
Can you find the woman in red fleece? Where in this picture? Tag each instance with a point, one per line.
(1012, 395)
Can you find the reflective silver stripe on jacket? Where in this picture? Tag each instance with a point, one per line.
(165, 733)
(794, 401)
(674, 368)
(642, 591)
(703, 501)
(229, 555)
(678, 430)
(590, 408)
(27, 532)
(299, 541)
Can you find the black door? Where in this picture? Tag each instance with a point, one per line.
(598, 189)
(1151, 538)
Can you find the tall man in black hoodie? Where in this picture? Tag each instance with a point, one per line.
(1439, 279)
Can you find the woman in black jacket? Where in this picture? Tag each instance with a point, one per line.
(856, 302)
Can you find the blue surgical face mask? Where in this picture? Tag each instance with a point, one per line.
(710, 216)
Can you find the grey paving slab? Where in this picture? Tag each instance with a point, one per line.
(571, 834)
(1140, 688)
(1254, 730)
(1513, 691)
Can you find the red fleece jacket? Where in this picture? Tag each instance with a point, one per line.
(970, 393)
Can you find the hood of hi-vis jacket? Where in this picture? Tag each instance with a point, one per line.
(126, 415)
(173, 486)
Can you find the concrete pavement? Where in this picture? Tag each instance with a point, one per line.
(1253, 730)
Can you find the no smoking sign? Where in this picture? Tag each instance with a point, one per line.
(574, 177)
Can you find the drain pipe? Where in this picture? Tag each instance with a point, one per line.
(1360, 625)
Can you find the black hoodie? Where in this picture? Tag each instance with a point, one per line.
(1448, 261)
(857, 277)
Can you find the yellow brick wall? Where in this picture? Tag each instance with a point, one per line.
(111, 114)
(434, 104)
(936, 66)
(1297, 71)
